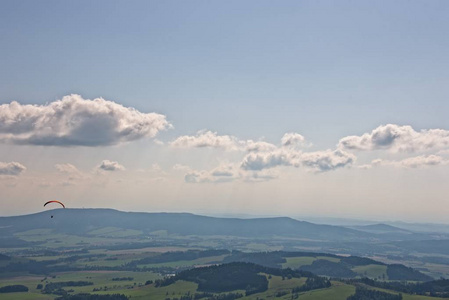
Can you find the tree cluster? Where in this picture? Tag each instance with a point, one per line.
(13, 288)
(313, 283)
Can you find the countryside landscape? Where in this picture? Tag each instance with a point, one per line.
(222, 150)
(129, 255)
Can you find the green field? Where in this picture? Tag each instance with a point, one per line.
(161, 293)
(275, 285)
(404, 296)
(372, 271)
(100, 266)
(296, 262)
(338, 291)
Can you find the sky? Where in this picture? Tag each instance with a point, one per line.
(283, 108)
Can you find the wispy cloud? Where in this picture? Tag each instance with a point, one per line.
(207, 139)
(222, 173)
(67, 168)
(228, 172)
(11, 168)
(74, 121)
(412, 162)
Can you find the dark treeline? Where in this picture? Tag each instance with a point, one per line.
(232, 276)
(329, 268)
(37, 267)
(359, 261)
(366, 294)
(13, 288)
(122, 278)
(267, 259)
(224, 278)
(401, 272)
(435, 288)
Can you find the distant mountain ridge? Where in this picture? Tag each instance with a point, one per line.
(81, 221)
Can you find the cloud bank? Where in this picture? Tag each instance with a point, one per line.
(260, 158)
(74, 121)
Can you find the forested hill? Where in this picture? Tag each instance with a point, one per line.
(80, 221)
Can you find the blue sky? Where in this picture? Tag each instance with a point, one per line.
(246, 69)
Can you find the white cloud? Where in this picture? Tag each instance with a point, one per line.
(398, 139)
(263, 155)
(320, 161)
(197, 177)
(74, 121)
(107, 165)
(265, 160)
(259, 146)
(11, 168)
(208, 139)
(292, 139)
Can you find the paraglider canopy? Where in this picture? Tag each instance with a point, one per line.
(55, 201)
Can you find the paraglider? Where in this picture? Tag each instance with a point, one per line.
(54, 201)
